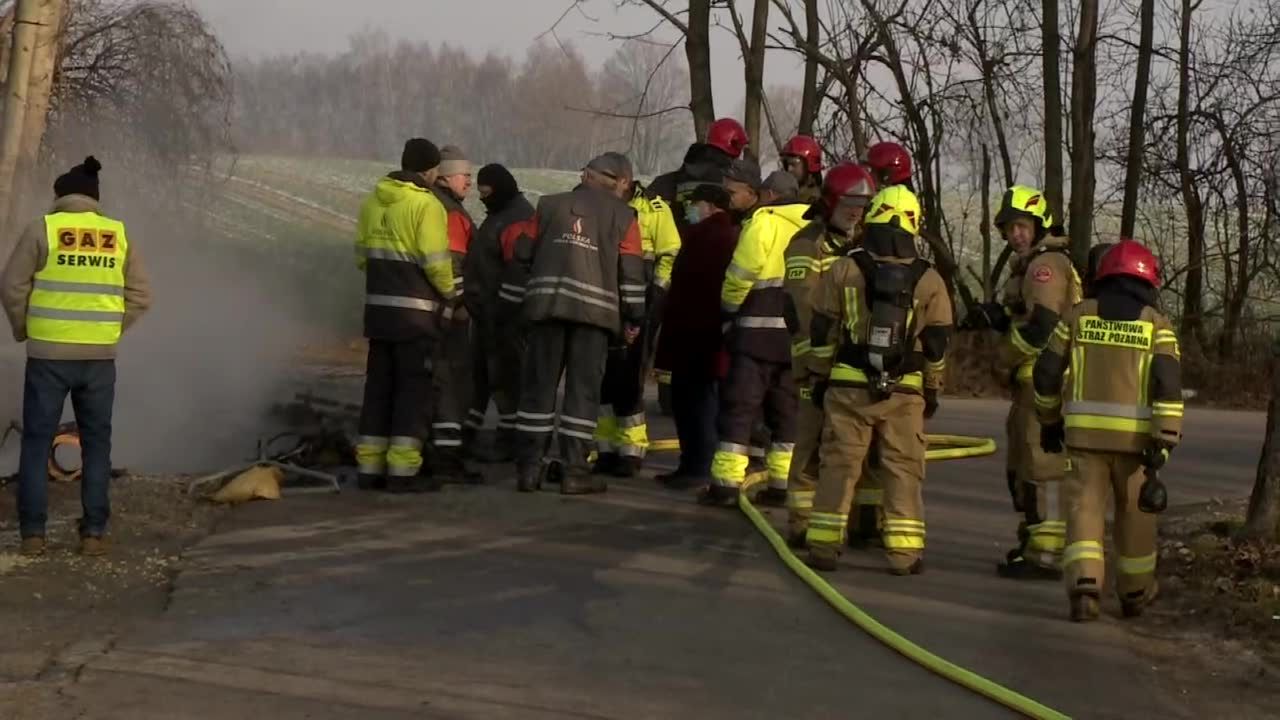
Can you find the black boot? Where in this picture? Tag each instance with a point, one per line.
(625, 467)
(867, 531)
(1132, 604)
(1017, 567)
(682, 481)
(578, 481)
(771, 497)
(528, 477)
(719, 496)
(371, 482)
(914, 568)
(416, 484)
(606, 462)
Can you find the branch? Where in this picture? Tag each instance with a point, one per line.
(659, 7)
(626, 116)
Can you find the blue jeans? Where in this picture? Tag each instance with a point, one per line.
(92, 386)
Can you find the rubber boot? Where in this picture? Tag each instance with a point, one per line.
(449, 467)
(416, 484)
(914, 568)
(371, 482)
(796, 539)
(719, 496)
(1084, 607)
(771, 497)
(528, 477)
(625, 467)
(866, 531)
(824, 559)
(605, 463)
(1132, 604)
(1017, 567)
(578, 481)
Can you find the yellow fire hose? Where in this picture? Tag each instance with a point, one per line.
(954, 447)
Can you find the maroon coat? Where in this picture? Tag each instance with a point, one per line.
(690, 340)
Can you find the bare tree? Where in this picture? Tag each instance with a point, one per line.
(1263, 519)
(1137, 119)
(1192, 326)
(1084, 80)
(28, 15)
(809, 102)
(1054, 180)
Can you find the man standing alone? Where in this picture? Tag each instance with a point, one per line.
(71, 287)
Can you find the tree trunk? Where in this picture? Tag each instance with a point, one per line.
(1263, 519)
(1053, 175)
(984, 227)
(809, 101)
(1084, 90)
(28, 13)
(753, 69)
(989, 94)
(1237, 292)
(44, 66)
(1137, 120)
(1192, 304)
(697, 51)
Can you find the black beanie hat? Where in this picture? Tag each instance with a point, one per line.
(420, 155)
(79, 180)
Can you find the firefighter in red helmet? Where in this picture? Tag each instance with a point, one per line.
(704, 164)
(802, 157)
(891, 164)
(1109, 388)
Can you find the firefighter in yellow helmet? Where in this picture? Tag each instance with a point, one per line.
(883, 317)
(1042, 287)
(622, 431)
(1109, 385)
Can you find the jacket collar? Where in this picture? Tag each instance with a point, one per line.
(76, 204)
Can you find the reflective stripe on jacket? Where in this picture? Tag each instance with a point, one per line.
(1038, 294)
(752, 295)
(78, 296)
(659, 238)
(810, 253)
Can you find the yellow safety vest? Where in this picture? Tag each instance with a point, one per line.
(78, 298)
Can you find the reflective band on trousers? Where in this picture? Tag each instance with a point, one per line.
(826, 528)
(761, 322)
(1082, 550)
(1136, 565)
(1118, 410)
(846, 373)
(903, 534)
(78, 296)
(400, 301)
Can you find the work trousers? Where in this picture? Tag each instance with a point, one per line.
(853, 420)
(450, 374)
(497, 350)
(753, 386)
(864, 517)
(92, 387)
(621, 428)
(554, 349)
(393, 418)
(1093, 479)
(694, 403)
(1043, 530)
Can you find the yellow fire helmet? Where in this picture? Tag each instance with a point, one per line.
(1021, 201)
(895, 206)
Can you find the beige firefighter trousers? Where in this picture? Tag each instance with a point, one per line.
(852, 420)
(868, 498)
(1043, 530)
(1093, 479)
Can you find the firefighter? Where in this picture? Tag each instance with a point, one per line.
(72, 286)
(752, 305)
(802, 158)
(496, 343)
(837, 219)
(586, 283)
(451, 364)
(1109, 387)
(891, 164)
(1042, 287)
(622, 434)
(402, 245)
(705, 162)
(881, 323)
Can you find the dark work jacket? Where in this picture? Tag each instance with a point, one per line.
(484, 264)
(690, 341)
(461, 231)
(703, 164)
(585, 261)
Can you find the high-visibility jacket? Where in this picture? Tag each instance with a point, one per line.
(584, 260)
(810, 254)
(1116, 384)
(78, 296)
(461, 231)
(752, 295)
(840, 329)
(402, 244)
(1038, 294)
(659, 238)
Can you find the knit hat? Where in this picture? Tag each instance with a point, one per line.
(783, 184)
(453, 161)
(714, 194)
(744, 170)
(613, 164)
(420, 155)
(79, 180)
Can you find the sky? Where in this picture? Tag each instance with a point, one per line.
(254, 28)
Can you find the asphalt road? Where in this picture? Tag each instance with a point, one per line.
(480, 602)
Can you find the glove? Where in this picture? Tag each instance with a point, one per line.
(1156, 456)
(656, 303)
(987, 315)
(1051, 438)
(930, 402)
(819, 393)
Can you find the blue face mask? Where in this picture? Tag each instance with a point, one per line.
(692, 215)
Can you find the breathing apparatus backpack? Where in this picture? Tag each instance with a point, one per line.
(890, 298)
